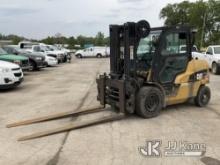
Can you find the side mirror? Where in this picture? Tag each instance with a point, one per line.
(209, 53)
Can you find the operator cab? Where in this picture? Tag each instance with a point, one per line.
(137, 50)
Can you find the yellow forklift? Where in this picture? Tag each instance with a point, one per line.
(148, 71)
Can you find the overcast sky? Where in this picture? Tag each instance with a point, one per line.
(41, 18)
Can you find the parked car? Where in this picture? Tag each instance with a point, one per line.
(33, 47)
(68, 54)
(57, 51)
(45, 50)
(212, 56)
(50, 61)
(22, 61)
(98, 52)
(11, 75)
(36, 60)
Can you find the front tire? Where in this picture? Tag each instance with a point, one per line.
(65, 59)
(215, 68)
(33, 66)
(79, 56)
(203, 96)
(149, 102)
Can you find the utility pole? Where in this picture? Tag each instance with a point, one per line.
(203, 29)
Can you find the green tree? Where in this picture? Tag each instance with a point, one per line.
(48, 40)
(175, 14)
(100, 39)
(71, 41)
(203, 15)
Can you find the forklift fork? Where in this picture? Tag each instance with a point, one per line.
(55, 116)
(67, 127)
(72, 126)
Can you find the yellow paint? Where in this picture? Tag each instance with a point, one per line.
(193, 66)
(188, 89)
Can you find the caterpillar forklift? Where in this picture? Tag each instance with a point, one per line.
(148, 72)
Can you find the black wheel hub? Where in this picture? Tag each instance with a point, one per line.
(205, 97)
(152, 102)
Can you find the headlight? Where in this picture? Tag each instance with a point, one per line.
(4, 70)
(38, 58)
(17, 62)
(50, 59)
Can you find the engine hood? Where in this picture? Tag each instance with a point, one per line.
(4, 64)
(11, 57)
(79, 52)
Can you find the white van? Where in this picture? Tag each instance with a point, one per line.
(11, 75)
(93, 52)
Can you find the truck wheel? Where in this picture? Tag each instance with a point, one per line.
(65, 59)
(215, 68)
(99, 56)
(33, 66)
(203, 96)
(149, 102)
(79, 55)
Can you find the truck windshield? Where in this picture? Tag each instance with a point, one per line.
(51, 48)
(217, 50)
(2, 51)
(54, 47)
(44, 48)
(146, 46)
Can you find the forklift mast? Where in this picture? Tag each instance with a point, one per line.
(115, 89)
(124, 40)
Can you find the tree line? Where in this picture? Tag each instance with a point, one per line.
(99, 40)
(202, 15)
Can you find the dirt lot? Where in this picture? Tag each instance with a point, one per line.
(71, 87)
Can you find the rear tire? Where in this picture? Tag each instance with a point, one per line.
(149, 102)
(203, 96)
(99, 56)
(215, 68)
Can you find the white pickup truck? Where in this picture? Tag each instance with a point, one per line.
(212, 56)
(98, 52)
